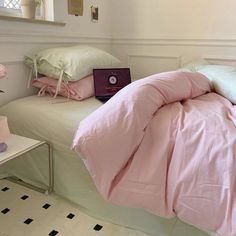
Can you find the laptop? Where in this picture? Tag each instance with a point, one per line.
(107, 82)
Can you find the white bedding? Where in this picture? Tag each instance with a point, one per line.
(40, 118)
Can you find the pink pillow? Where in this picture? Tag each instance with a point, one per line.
(77, 90)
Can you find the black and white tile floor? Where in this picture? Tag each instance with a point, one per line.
(24, 212)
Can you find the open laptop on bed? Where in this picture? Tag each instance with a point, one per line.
(107, 82)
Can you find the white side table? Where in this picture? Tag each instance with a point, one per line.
(19, 145)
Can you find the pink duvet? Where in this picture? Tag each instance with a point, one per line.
(166, 144)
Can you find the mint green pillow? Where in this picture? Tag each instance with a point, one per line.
(70, 63)
(223, 78)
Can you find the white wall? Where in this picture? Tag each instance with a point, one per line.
(183, 19)
(148, 36)
(18, 39)
(158, 35)
(83, 25)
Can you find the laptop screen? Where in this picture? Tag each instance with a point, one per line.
(107, 82)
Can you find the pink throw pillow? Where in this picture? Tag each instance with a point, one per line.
(77, 90)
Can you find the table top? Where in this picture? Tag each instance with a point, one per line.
(18, 145)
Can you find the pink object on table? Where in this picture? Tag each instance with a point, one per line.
(3, 71)
(77, 90)
(166, 145)
(3, 147)
(4, 130)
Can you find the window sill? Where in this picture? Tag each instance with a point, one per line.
(34, 21)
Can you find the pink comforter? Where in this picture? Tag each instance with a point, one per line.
(177, 159)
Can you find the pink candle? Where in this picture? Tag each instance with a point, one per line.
(4, 130)
(3, 71)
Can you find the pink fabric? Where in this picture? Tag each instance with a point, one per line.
(77, 90)
(3, 71)
(177, 159)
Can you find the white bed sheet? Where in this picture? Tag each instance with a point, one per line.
(41, 118)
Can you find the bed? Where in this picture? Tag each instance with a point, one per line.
(56, 121)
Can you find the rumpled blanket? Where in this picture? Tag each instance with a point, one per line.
(167, 144)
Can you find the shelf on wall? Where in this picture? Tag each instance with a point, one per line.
(34, 21)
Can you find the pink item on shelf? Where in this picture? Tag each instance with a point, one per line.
(166, 145)
(77, 90)
(4, 130)
(3, 71)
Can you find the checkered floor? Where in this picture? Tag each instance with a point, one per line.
(24, 212)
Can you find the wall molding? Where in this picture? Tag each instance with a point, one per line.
(143, 65)
(175, 42)
(219, 58)
(178, 58)
(45, 37)
(11, 61)
(56, 37)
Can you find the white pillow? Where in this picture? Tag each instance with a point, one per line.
(223, 79)
(70, 63)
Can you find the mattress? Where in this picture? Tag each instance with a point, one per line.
(56, 122)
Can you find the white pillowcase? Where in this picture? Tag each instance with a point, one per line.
(223, 79)
(70, 63)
